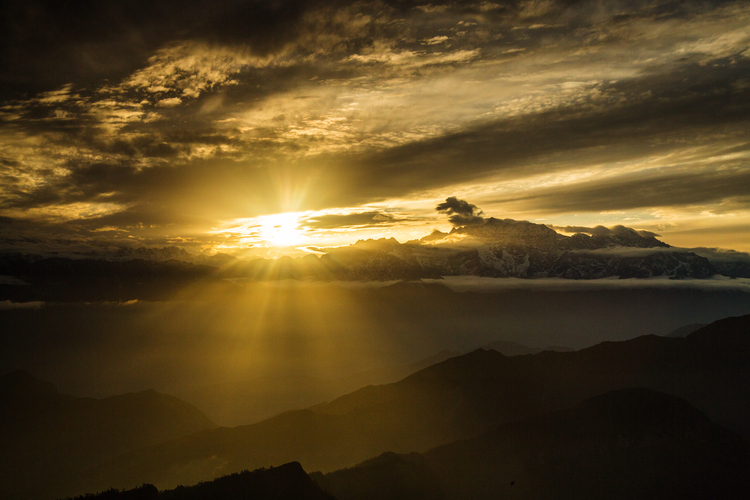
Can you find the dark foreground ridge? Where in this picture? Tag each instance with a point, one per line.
(632, 443)
(286, 482)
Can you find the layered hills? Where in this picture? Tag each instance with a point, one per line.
(46, 436)
(285, 482)
(457, 399)
(630, 443)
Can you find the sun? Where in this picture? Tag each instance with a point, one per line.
(281, 230)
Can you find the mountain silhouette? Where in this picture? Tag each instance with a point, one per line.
(510, 348)
(255, 399)
(685, 330)
(631, 443)
(46, 436)
(457, 399)
(286, 482)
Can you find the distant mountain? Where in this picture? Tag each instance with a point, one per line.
(46, 436)
(170, 253)
(494, 248)
(286, 482)
(254, 399)
(524, 233)
(686, 330)
(491, 248)
(62, 279)
(510, 348)
(509, 248)
(390, 374)
(459, 398)
(732, 269)
(153, 254)
(631, 443)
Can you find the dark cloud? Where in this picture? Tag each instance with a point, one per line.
(49, 44)
(730, 186)
(571, 136)
(364, 219)
(461, 212)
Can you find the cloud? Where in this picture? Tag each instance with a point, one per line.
(188, 69)
(365, 219)
(651, 188)
(461, 212)
(49, 45)
(478, 284)
(722, 255)
(7, 305)
(618, 230)
(10, 280)
(188, 115)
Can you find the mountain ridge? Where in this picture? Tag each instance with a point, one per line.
(630, 443)
(456, 399)
(78, 433)
(492, 248)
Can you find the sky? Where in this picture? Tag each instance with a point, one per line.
(260, 127)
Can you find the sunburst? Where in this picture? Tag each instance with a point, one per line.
(281, 230)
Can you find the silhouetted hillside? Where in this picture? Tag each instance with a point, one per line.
(459, 398)
(67, 280)
(632, 443)
(255, 399)
(509, 348)
(46, 436)
(686, 330)
(286, 482)
(390, 374)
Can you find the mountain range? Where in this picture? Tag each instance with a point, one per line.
(494, 248)
(462, 398)
(254, 399)
(285, 482)
(625, 444)
(46, 436)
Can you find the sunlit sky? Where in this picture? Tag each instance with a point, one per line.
(264, 127)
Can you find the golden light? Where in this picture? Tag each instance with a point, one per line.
(281, 230)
